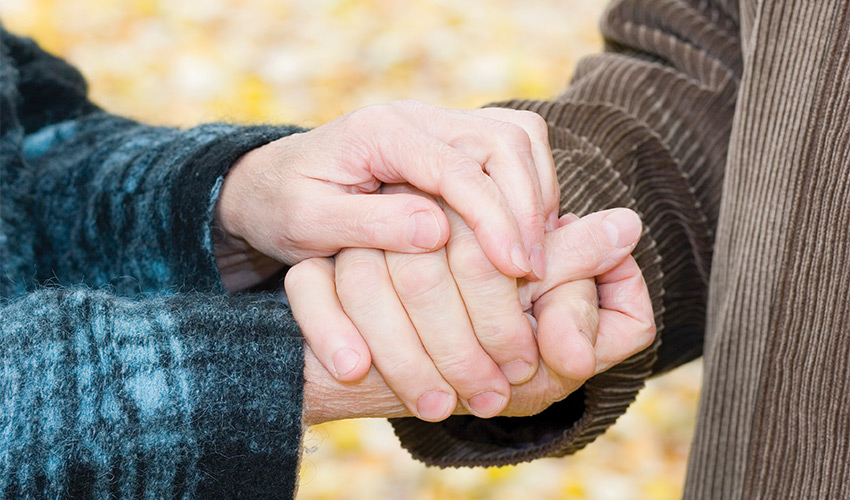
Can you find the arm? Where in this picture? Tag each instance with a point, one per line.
(645, 125)
(111, 197)
(161, 395)
(187, 394)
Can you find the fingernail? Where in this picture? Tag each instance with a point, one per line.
(487, 404)
(517, 371)
(423, 229)
(519, 258)
(434, 405)
(623, 227)
(345, 360)
(567, 219)
(538, 261)
(552, 221)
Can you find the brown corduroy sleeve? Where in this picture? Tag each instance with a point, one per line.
(645, 125)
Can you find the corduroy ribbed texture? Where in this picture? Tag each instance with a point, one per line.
(645, 125)
(774, 418)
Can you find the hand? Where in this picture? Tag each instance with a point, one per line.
(575, 346)
(563, 339)
(312, 194)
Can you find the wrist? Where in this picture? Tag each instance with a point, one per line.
(239, 263)
(326, 399)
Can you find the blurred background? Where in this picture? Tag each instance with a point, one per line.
(184, 62)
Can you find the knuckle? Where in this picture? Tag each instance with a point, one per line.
(468, 261)
(457, 165)
(418, 276)
(515, 137)
(356, 274)
(586, 315)
(536, 124)
(506, 338)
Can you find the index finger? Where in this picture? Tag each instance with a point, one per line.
(439, 169)
(538, 133)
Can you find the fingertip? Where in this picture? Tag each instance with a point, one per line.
(580, 362)
(538, 263)
(518, 371)
(435, 406)
(426, 230)
(349, 365)
(623, 227)
(567, 219)
(487, 404)
(520, 261)
(564, 347)
(552, 221)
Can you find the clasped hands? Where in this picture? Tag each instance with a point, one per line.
(453, 287)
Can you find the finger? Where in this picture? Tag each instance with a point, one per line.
(567, 322)
(425, 287)
(367, 296)
(567, 219)
(399, 222)
(406, 154)
(538, 133)
(505, 151)
(626, 320)
(439, 169)
(328, 331)
(492, 304)
(585, 248)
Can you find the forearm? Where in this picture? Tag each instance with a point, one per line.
(181, 395)
(122, 199)
(110, 201)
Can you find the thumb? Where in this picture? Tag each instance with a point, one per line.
(586, 248)
(405, 223)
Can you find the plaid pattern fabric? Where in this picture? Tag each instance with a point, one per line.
(156, 398)
(126, 373)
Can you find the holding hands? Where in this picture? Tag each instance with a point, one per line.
(313, 194)
(468, 348)
(432, 215)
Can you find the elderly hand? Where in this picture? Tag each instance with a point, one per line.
(462, 349)
(312, 194)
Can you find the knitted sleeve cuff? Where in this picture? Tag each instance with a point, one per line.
(195, 189)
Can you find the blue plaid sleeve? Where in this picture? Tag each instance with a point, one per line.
(184, 396)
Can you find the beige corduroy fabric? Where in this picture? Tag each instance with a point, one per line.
(727, 127)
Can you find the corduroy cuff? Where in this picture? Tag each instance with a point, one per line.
(589, 182)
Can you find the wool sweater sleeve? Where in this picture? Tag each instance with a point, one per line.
(141, 387)
(116, 202)
(178, 396)
(644, 125)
